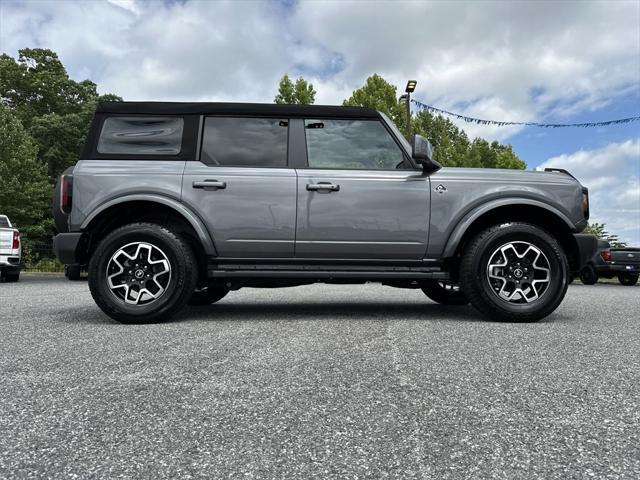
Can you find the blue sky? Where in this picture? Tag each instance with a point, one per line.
(535, 145)
(557, 62)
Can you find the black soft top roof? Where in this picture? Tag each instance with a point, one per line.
(270, 109)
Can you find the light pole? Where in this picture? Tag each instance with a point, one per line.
(410, 88)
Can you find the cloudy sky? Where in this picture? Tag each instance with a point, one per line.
(538, 61)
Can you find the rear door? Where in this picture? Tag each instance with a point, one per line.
(360, 196)
(243, 188)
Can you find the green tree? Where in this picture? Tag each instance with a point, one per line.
(55, 110)
(37, 84)
(450, 143)
(452, 147)
(600, 231)
(301, 93)
(60, 137)
(25, 193)
(380, 95)
(492, 155)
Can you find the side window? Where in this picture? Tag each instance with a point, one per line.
(352, 144)
(141, 135)
(245, 142)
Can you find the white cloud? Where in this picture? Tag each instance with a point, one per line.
(612, 174)
(504, 60)
(490, 59)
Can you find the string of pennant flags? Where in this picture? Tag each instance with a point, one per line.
(481, 121)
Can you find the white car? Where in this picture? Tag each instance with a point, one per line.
(10, 251)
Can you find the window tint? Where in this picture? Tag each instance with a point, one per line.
(245, 142)
(4, 222)
(141, 136)
(356, 144)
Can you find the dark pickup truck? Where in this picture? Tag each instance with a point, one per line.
(608, 262)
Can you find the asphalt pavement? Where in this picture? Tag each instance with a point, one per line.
(319, 381)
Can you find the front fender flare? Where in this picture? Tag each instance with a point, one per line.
(195, 221)
(463, 225)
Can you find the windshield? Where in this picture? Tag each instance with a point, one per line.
(397, 133)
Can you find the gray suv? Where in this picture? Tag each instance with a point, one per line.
(176, 203)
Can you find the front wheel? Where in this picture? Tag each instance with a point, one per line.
(444, 293)
(514, 272)
(628, 280)
(141, 273)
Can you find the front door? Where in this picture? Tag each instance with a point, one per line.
(242, 187)
(359, 198)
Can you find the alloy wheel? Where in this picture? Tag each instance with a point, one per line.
(519, 272)
(138, 273)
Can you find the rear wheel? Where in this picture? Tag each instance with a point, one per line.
(444, 293)
(514, 272)
(628, 280)
(12, 276)
(208, 294)
(588, 275)
(141, 273)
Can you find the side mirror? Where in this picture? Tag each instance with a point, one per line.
(423, 154)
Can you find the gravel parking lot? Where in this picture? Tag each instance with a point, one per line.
(318, 382)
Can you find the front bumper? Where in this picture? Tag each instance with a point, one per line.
(66, 247)
(586, 248)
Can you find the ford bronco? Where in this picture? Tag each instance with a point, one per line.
(176, 203)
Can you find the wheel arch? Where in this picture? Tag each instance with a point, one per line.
(507, 210)
(154, 209)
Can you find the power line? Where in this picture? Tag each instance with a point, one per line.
(482, 121)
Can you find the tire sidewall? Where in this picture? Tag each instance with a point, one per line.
(156, 310)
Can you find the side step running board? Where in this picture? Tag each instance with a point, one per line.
(399, 273)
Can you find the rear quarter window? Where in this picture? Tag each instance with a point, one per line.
(141, 135)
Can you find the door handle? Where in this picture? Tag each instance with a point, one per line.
(212, 184)
(323, 186)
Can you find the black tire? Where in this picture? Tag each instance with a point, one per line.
(444, 293)
(208, 295)
(481, 290)
(628, 280)
(72, 272)
(12, 277)
(588, 275)
(173, 288)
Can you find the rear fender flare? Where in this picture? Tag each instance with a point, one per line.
(195, 221)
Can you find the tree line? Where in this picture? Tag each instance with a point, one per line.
(45, 116)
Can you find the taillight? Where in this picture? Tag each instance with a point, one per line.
(66, 192)
(606, 255)
(16, 240)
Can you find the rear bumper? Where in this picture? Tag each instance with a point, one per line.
(616, 269)
(65, 246)
(11, 262)
(586, 248)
